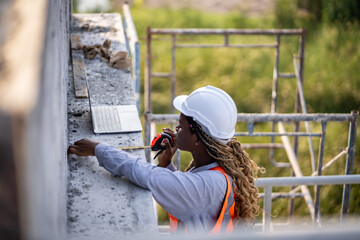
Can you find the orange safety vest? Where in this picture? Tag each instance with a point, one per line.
(224, 222)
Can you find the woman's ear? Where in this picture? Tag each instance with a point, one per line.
(192, 128)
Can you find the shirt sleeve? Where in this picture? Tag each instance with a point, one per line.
(171, 167)
(180, 194)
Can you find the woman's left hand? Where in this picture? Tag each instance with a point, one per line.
(165, 156)
(83, 147)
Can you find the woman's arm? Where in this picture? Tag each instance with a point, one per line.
(180, 194)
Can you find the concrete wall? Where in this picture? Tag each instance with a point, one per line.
(34, 74)
(100, 204)
(46, 129)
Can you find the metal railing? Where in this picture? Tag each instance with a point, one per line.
(269, 183)
(133, 45)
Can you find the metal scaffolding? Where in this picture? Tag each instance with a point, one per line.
(277, 120)
(226, 33)
(133, 46)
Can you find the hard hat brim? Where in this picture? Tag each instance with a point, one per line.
(178, 103)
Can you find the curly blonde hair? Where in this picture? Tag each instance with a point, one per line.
(238, 165)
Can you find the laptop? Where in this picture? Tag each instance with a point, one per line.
(114, 118)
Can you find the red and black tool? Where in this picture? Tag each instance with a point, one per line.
(156, 142)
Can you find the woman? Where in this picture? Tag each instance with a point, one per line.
(216, 192)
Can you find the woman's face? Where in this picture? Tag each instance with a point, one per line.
(185, 139)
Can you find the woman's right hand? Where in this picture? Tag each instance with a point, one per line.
(83, 147)
(165, 156)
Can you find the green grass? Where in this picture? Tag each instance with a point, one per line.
(331, 84)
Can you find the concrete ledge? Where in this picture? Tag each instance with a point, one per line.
(100, 205)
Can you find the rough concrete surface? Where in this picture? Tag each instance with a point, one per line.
(99, 204)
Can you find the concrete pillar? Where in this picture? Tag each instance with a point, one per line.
(34, 47)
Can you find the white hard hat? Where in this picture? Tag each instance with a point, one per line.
(213, 109)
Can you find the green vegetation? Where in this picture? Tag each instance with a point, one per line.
(331, 78)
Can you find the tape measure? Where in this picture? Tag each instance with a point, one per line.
(155, 143)
(134, 147)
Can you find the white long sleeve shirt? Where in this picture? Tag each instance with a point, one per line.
(194, 197)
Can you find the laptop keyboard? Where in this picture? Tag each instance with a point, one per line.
(107, 119)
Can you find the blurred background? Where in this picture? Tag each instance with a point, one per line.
(331, 80)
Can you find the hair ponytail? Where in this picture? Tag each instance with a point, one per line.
(238, 165)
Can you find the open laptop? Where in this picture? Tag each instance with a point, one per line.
(114, 118)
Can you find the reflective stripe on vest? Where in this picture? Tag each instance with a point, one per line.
(224, 221)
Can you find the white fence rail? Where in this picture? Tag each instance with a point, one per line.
(269, 183)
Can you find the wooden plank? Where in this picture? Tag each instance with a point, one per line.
(78, 67)
(296, 168)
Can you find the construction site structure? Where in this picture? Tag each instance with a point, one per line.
(274, 118)
(47, 194)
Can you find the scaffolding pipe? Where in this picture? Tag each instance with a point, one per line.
(297, 107)
(280, 195)
(319, 171)
(226, 45)
(267, 209)
(226, 40)
(274, 103)
(148, 75)
(261, 145)
(229, 31)
(304, 110)
(161, 75)
(295, 117)
(275, 77)
(286, 75)
(332, 161)
(296, 168)
(271, 134)
(147, 93)
(277, 117)
(173, 72)
(307, 180)
(349, 164)
(134, 46)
